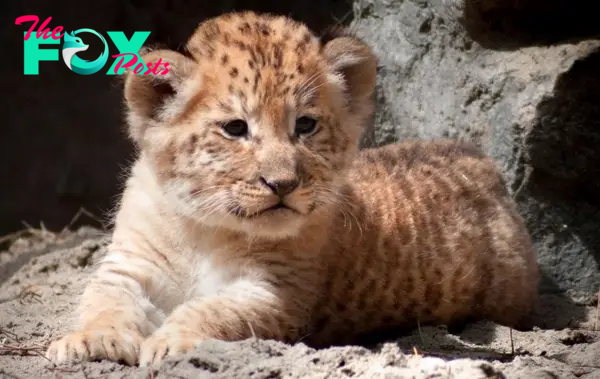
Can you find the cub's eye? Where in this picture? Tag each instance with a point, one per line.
(305, 125)
(236, 128)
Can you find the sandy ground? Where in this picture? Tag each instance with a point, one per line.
(41, 275)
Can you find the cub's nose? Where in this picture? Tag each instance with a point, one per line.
(281, 187)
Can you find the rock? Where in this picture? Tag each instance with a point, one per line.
(446, 71)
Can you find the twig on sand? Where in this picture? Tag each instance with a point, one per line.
(28, 292)
(420, 332)
(8, 349)
(81, 212)
(24, 294)
(13, 236)
(597, 311)
(10, 335)
(252, 331)
(23, 349)
(512, 342)
(27, 231)
(43, 232)
(254, 338)
(14, 346)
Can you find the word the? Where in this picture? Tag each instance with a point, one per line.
(73, 44)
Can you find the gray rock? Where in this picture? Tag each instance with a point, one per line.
(446, 71)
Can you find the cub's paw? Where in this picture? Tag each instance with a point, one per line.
(166, 342)
(118, 345)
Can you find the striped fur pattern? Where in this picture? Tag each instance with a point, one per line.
(206, 246)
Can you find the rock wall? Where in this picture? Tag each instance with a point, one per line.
(511, 75)
(524, 87)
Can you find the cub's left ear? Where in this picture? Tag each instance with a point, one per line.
(152, 99)
(355, 62)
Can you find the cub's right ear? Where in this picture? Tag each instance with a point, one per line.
(154, 100)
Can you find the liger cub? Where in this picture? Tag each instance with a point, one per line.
(251, 211)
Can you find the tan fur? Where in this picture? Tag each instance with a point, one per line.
(388, 237)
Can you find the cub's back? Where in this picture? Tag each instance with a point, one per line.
(429, 234)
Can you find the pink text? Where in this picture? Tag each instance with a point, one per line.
(140, 66)
(44, 33)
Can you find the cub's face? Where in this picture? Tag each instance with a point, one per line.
(254, 128)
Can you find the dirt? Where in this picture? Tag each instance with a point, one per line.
(42, 274)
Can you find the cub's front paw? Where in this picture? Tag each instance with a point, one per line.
(118, 345)
(166, 342)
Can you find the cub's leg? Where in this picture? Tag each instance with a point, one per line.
(114, 314)
(244, 308)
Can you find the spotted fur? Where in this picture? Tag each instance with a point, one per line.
(387, 237)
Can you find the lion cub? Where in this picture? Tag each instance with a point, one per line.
(250, 210)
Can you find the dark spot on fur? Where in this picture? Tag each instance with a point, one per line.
(246, 80)
(251, 64)
(230, 88)
(225, 107)
(211, 30)
(306, 38)
(240, 45)
(277, 56)
(263, 29)
(226, 39)
(300, 68)
(234, 72)
(210, 53)
(244, 28)
(256, 80)
(261, 55)
(224, 59)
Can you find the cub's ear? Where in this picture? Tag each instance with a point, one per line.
(155, 99)
(355, 63)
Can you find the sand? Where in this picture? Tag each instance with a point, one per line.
(42, 274)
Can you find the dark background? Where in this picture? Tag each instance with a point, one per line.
(62, 143)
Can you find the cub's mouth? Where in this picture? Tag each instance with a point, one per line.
(278, 208)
